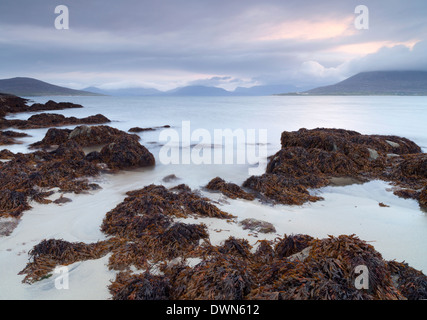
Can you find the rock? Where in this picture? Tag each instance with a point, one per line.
(93, 156)
(52, 105)
(258, 225)
(62, 200)
(281, 189)
(52, 137)
(69, 150)
(170, 178)
(45, 120)
(126, 152)
(313, 158)
(373, 154)
(85, 136)
(138, 129)
(98, 135)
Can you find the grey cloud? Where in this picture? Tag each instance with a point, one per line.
(200, 37)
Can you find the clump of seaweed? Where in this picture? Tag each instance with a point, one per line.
(229, 189)
(51, 253)
(410, 282)
(292, 244)
(125, 219)
(280, 189)
(220, 277)
(310, 158)
(144, 286)
(236, 247)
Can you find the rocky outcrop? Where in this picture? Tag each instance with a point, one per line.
(126, 152)
(139, 129)
(13, 104)
(47, 120)
(85, 136)
(310, 158)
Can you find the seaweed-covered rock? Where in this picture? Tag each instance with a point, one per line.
(231, 190)
(311, 158)
(126, 152)
(283, 189)
(85, 136)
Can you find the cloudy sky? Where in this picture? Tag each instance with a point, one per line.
(227, 43)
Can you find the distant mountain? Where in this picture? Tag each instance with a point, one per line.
(28, 87)
(198, 91)
(267, 90)
(126, 91)
(378, 83)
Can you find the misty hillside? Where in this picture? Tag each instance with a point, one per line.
(378, 83)
(29, 87)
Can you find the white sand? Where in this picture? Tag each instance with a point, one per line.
(397, 232)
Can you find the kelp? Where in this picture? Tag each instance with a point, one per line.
(144, 286)
(291, 244)
(229, 189)
(48, 254)
(280, 189)
(310, 158)
(410, 282)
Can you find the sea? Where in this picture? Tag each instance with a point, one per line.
(231, 138)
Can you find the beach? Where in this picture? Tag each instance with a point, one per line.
(396, 230)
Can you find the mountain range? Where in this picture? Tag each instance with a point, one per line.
(29, 87)
(378, 83)
(364, 83)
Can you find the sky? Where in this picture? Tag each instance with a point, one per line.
(165, 44)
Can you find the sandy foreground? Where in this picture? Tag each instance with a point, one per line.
(397, 231)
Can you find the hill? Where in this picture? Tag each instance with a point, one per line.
(125, 92)
(198, 91)
(378, 83)
(29, 87)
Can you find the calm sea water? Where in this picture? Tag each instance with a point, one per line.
(404, 116)
(401, 116)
